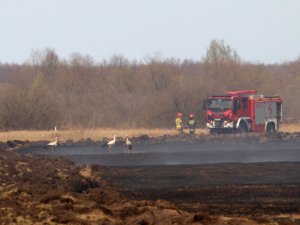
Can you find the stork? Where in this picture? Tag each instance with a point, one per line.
(110, 143)
(53, 143)
(128, 144)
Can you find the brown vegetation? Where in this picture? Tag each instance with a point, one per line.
(99, 134)
(79, 134)
(79, 92)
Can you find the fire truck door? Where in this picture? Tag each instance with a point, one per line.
(237, 107)
(264, 110)
(259, 113)
(245, 107)
(270, 110)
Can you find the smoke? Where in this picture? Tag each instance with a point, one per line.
(177, 153)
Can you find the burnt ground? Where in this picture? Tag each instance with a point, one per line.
(251, 179)
(254, 189)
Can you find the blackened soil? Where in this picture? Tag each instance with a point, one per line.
(251, 179)
(230, 189)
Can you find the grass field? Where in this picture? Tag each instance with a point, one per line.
(94, 134)
(290, 127)
(99, 134)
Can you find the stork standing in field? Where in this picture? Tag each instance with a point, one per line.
(53, 144)
(128, 144)
(110, 143)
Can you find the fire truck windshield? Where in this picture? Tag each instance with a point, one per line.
(219, 104)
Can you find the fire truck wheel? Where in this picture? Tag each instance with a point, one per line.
(271, 128)
(243, 128)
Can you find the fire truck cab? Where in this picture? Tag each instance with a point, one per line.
(243, 111)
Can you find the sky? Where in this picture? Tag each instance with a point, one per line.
(260, 31)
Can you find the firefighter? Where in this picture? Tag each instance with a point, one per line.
(192, 124)
(178, 122)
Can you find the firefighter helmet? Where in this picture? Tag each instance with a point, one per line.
(191, 115)
(178, 114)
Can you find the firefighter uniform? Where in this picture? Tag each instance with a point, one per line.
(178, 122)
(192, 124)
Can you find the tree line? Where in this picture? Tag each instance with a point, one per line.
(78, 92)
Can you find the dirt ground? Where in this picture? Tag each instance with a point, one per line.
(255, 190)
(38, 189)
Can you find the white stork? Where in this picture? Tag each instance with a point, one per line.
(53, 143)
(110, 143)
(128, 144)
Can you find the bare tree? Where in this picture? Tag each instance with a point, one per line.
(79, 92)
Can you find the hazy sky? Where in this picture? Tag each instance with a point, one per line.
(261, 31)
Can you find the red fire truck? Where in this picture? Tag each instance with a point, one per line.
(243, 111)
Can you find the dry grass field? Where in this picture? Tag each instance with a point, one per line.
(290, 127)
(98, 134)
(94, 134)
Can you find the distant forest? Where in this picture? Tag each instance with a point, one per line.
(79, 92)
